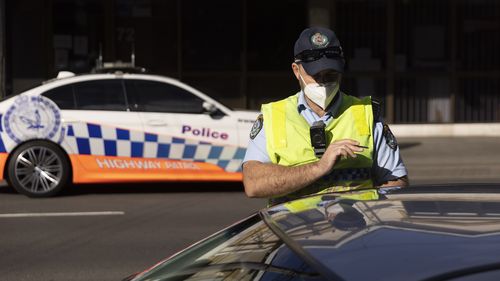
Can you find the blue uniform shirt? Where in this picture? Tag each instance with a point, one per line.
(388, 164)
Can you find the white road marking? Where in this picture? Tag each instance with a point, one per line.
(68, 214)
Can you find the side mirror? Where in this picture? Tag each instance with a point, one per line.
(212, 110)
(209, 108)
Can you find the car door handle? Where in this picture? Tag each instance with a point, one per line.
(157, 122)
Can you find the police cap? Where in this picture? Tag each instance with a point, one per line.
(318, 49)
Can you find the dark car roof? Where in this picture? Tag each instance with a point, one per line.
(411, 234)
(441, 232)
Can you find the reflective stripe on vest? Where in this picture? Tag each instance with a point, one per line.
(288, 141)
(348, 174)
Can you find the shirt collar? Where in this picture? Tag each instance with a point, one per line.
(332, 108)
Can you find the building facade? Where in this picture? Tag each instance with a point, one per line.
(428, 61)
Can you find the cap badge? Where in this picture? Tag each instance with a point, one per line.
(319, 40)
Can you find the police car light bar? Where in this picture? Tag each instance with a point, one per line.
(118, 66)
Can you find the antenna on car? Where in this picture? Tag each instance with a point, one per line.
(98, 63)
(132, 55)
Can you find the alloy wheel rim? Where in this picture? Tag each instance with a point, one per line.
(38, 169)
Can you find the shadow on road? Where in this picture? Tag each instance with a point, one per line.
(168, 187)
(6, 189)
(158, 187)
(406, 145)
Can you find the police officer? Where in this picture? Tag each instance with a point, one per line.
(282, 162)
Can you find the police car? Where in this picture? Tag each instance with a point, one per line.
(118, 127)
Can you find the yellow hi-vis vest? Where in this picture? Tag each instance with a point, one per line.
(289, 144)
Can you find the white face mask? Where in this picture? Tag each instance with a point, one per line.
(322, 94)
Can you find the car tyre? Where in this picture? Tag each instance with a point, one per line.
(38, 169)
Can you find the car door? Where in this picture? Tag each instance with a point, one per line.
(101, 102)
(102, 133)
(168, 109)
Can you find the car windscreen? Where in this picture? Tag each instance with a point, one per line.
(248, 250)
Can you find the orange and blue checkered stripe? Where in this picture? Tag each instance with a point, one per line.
(95, 139)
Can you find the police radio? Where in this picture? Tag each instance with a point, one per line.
(318, 138)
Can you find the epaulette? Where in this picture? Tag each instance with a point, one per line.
(377, 109)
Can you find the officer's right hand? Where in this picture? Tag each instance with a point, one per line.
(333, 153)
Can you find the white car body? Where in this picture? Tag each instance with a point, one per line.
(142, 142)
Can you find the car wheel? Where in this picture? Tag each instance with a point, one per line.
(38, 169)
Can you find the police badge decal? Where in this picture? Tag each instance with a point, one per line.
(33, 117)
(389, 137)
(257, 126)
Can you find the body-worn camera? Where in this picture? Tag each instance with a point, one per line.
(318, 138)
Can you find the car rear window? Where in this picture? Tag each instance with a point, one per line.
(63, 96)
(90, 95)
(100, 95)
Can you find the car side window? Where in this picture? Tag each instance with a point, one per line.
(152, 96)
(100, 95)
(63, 96)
